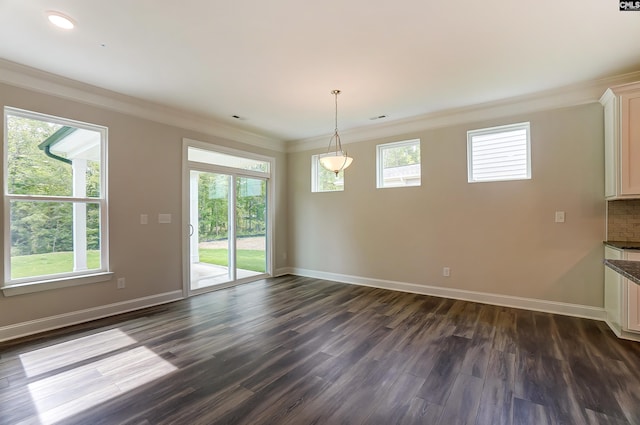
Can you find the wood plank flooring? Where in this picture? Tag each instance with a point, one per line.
(295, 350)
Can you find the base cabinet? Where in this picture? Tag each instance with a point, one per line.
(621, 297)
(613, 292)
(633, 299)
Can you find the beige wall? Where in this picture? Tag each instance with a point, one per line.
(497, 238)
(145, 173)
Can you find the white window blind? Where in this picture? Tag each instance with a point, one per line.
(499, 153)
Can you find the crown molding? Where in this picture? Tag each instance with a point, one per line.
(572, 95)
(43, 82)
(33, 79)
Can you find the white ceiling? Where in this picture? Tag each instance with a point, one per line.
(274, 63)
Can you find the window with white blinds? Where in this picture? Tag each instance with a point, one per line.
(499, 153)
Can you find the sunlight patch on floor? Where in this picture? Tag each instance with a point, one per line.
(57, 356)
(77, 389)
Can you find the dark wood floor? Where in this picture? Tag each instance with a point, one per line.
(296, 350)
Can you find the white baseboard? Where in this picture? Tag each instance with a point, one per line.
(54, 322)
(576, 310)
(68, 319)
(282, 271)
(621, 333)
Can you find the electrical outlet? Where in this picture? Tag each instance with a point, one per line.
(121, 283)
(446, 271)
(559, 216)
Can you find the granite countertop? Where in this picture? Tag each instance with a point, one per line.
(628, 269)
(623, 244)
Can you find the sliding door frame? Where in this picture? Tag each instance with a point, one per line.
(187, 167)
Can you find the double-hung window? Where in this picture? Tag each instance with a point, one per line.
(55, 202)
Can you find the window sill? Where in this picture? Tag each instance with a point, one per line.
(46, 285)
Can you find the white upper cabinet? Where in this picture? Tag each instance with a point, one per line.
(622, 141)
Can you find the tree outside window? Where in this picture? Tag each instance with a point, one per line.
(54, 196)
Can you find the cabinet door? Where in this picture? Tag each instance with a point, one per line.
(613, 284)
(610, 148)
(633, 298)
(630, 144)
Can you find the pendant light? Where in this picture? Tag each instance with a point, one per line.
(335, 160)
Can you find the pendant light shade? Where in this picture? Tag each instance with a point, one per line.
(335, 159)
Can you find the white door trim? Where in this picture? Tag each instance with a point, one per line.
(187, 166)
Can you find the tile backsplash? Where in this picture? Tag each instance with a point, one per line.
(623, 220)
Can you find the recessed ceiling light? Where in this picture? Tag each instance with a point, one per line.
(60, 20)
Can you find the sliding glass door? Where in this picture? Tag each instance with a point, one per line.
(228, 222)
(251, 226)
(209, 245)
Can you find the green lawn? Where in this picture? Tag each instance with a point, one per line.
(62, 262)
(52, 263)
(247, 259)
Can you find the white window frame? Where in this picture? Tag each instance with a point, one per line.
(315, 169)
(498, 130)
(380, 163)
(46, 282)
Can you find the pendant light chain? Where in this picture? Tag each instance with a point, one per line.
(337, 160)
(336, 93)
(336, 136)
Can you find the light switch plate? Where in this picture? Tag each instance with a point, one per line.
(144, 219)
(559, 216)
(164, 218)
